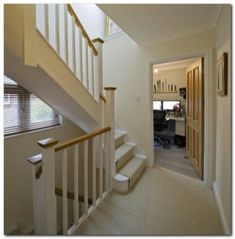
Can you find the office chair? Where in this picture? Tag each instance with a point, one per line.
(159, 126)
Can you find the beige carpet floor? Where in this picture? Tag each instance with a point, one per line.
(162, 203)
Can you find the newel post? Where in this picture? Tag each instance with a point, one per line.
(48, 196)
(99, 79)
(110, 122)
(99, 67)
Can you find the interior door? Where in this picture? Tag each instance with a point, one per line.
(194, 115)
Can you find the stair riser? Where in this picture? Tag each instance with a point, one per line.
(124, 159)
(137, 175)
(119, 141)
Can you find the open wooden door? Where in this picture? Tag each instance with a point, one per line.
(194, 115)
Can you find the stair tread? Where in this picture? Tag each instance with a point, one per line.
(119, 134)
(122, 150)
(131, 167)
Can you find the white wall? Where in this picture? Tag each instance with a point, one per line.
(223, 172)
(128, 67)
(17, 171)
(174, 76)
(92, 19)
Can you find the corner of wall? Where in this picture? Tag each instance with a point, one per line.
(221, 212)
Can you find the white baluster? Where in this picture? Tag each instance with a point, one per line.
(64, 188)
(85, 63)
(98, 69)
(66, 34)
(80, 55)
(52, 25)
(74, 45)
(40, 18)
(90, 70)
(106, 161)
(92, 75)
(101, 167)
(57, 21)
(86, 177)
(76, 185)
(94, 171)
(46, 21)
(70, 43)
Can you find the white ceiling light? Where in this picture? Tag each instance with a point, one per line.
(155, 70)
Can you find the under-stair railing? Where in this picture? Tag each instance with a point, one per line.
(95, 150)
(61, 27)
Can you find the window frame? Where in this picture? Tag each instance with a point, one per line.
(25, 126)
(107, 30)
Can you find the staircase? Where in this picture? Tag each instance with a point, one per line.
(129, 165)
(49, 53)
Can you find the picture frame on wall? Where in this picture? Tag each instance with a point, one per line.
(222, 74)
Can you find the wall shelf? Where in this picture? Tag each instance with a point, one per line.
(165, 92)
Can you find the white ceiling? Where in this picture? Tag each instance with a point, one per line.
(153, 23)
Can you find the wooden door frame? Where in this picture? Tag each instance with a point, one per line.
(209, 107)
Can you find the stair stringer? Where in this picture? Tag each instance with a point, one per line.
(70, 104)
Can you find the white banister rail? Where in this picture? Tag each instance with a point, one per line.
(61, 27)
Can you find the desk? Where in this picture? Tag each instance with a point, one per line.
(179, 124)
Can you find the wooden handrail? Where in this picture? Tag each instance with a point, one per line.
(103, 98)
(79, 24)
(70, 195)
(81, 138)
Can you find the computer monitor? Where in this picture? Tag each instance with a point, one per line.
(169, 104)
(157, 105)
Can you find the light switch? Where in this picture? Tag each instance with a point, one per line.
(138, 98)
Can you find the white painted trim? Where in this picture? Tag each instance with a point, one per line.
(220, 209)
(209, 112)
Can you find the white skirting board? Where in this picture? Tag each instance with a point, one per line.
(222, 217)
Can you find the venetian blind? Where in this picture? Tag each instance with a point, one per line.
(23, 111)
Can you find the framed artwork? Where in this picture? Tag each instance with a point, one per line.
(222, 74)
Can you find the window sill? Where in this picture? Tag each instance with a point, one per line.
(33, 131)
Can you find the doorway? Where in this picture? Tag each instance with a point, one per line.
(178, 116)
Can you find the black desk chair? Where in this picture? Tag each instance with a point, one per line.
(164, 131)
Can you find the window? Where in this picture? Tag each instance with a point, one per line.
(157, 105)
(23, 111)
(170, 104)
(111, 27)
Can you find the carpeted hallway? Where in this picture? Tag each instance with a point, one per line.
(162, 203)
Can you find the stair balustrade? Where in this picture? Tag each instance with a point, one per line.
(94, 151)
(61, 27)
(44, 186)
(101, 166)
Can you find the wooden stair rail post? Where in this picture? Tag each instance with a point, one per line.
(48, 196)
(110, 121)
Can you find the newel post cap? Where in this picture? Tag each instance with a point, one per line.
(47, 143)
(98, 40)
(110, 88)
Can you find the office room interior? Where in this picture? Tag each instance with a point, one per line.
(169, 116)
